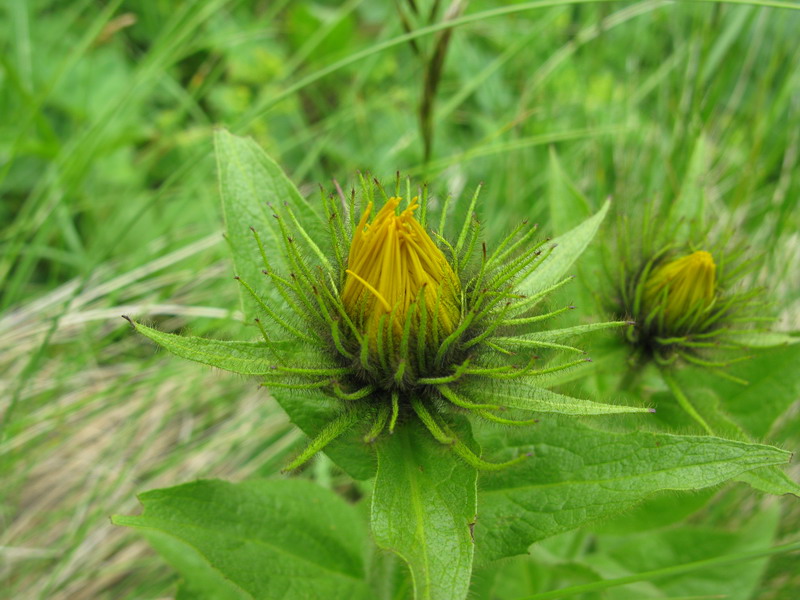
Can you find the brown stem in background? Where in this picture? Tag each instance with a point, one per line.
(433, 74)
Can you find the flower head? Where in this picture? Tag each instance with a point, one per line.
(396, 273)
(384, 320)
(687, 305)
(681, 287)
(414, 325)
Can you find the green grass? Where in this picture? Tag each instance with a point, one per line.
(109, 207)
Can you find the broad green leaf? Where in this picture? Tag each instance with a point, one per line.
(764, 339)
(659, 510)
(201, 581)
(773, 386)
(273, 539)
(254, 192)
(524, 396)
(311, 410)
(639, 586)
(525, 575)
(690, 544)
(568, 247)
(423, 509)
(568, 206)
(578, 474)
(771, 480)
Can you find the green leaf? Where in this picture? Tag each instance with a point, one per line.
(524, 396)
(578, 474)
(644, 589)
(311, 410)
(659, 510)
(568, 247)
(771, 480)
(273, 539)
(773, 386)
(675, 547)
(245, 358)
(568, 206)
(254, 190)
(200, 580)
(422, 509)
(687, 212)
(524, 575)
(763, 339)
(555, 335)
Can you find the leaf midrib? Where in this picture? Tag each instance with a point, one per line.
(419, 514)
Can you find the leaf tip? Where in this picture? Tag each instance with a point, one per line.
(130, 321)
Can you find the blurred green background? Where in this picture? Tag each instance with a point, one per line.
(109, 207)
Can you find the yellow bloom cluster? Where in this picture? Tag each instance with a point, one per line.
(681, 286)
(393, 264)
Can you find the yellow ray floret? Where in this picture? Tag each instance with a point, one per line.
(392, 263)
(682, 285)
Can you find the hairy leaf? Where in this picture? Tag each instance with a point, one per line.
(657, 511)
(555, 335)
(524, 396)
(311, 410)
(771, 480)
(578, 474)
(772, 387)
(200, 580)
(273, 539)
(256, 193)
(423, 509)
(245, 358)
(568, 247)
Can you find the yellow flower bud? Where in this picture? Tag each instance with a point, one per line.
(681, 286)
(393, 264)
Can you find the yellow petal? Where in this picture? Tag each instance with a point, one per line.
(681, 285)
(393, 264)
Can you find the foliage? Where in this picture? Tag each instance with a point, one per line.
(425, 506)
(111, 206)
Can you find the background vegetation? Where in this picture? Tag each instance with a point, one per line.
(110, 206)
